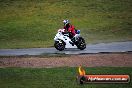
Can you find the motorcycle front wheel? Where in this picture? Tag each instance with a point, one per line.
(59, 45)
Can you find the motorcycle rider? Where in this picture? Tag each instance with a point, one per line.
(70, 29)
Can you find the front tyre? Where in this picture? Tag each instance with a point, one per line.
(59, 45)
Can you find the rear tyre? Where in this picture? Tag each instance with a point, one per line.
(59, 45)
(81, 44)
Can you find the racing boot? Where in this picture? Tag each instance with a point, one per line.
(72, 41)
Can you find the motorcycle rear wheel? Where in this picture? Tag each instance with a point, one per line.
(81, 44)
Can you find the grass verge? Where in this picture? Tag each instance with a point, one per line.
(34, 23)
(64, 77)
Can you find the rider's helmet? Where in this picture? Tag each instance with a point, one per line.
(66, 22)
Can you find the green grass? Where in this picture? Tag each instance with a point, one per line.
(64, 77)
(34, 23)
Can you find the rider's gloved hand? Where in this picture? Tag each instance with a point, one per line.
(65, 33)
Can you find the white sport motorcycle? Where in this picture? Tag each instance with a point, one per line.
(62, 41)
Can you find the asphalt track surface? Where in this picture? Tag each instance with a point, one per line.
(91, 49)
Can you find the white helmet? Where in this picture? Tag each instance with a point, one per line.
(66, 22)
